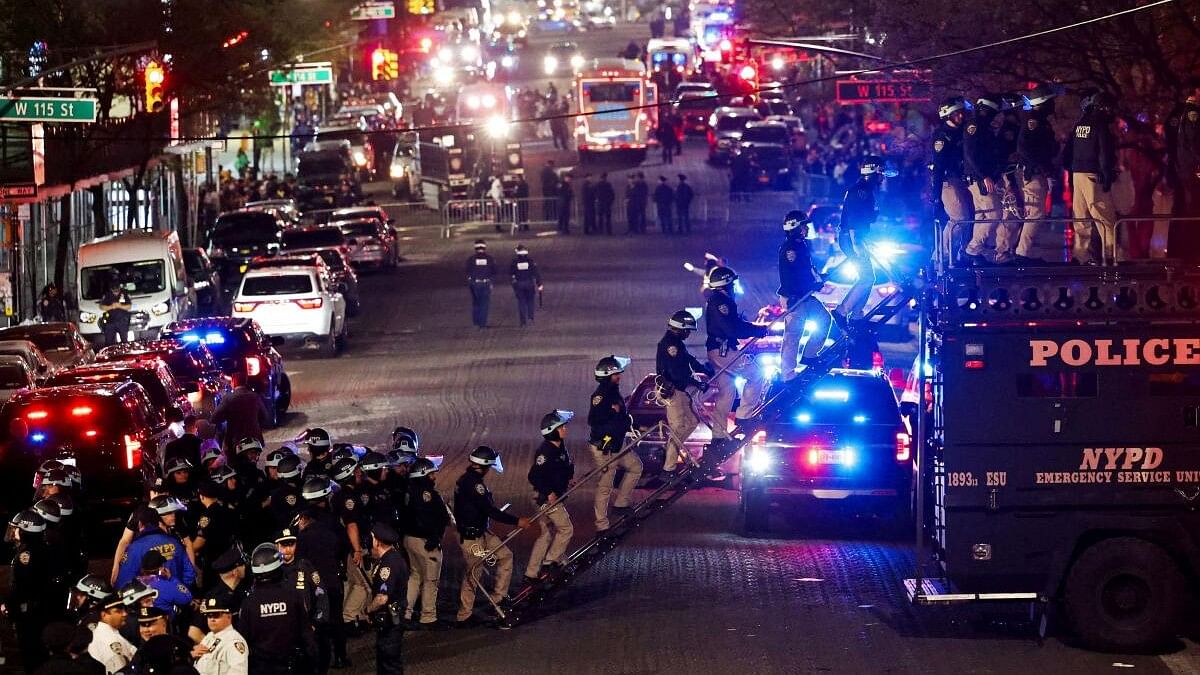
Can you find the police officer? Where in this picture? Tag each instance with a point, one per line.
(231, 588)
(28, 605)
(609, 421)
(725, 326)
(87, 595)
(111, 649)
(349, 509)
(319, 445)
(1037, 149)
(481, 269)
(551, 474)
(948, 185)
(798, 281)
(320, 542)
(1090, 158)
(216, 524)
(374, 470)
(58, 556)
(304, 576)
(1184, 146)
(679, 376)
(981, 163)
(854, 233)
(274, 619)
(387, 601)
(223, 650)
(473, 509)
(284, 502)
(526, 282)
(425, 525)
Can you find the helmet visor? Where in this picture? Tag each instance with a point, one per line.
(498, 465)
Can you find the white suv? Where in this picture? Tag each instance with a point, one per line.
(296, 303)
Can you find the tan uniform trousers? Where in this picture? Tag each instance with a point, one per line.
(1092, 205)
(744, 366)
(632, 464)
(1033, 189)
(988, 207)
(551, 545)
(424, 571)
(683, 421)
(475, 565)
(957, 202)
(358, 593)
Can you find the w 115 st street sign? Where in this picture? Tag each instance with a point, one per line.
(883, 91)
(28, 109)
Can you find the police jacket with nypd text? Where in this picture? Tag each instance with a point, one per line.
(427, 516)
(608, 418)
(480, 269)
(274, 620)
(473, 506)
(154, 539)
(724, 325)
(1091, 148)
(981, 149)
(1037, 147)
(552, 470)
(674, 363)
(858, 208)
(947, 155)
(525, 272)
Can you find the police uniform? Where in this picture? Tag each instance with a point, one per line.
(725, 326)
(228, 653)
(526, 280)
(215, 524)
(677, 368)
(285, 502)
(551, 473)
(981, 165)
(350, 501)
(227, 596)
(172, 595)
(798, 281)
(1036, 149)
(388, 581)
(275, 623)
(319, 466)
(303, 576)
(322, 544)
(1183, 239)
(1090, 158)
(27, 600)
(480, 271)
(858, 213)
(948, 182)
(425, 526)
(110, 648)
(609, 422)
(473, 508)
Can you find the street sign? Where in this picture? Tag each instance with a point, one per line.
(373, 10)
(883, 91)
(30, 109)
(299, 75)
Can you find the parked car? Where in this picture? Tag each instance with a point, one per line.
(405, 171)
(767, 149)
(369, 242)
(308, 238)
(205, 280)
(331, 263)
(321, 172)
(695, 109)
(796, 126)
(15, 376)
(165, 392)
(296, 303)
(362, 152)
(725, 127)
(61, 342)
(285, 209)
(33, 357)
(246, 354)
(193, 365)
(238, 237)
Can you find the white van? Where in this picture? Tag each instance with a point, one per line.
(150, 267)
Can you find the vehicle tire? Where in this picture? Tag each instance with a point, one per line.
(353, 307)
(755, 513)
(342, 340)
(329, 348)
(1124, 595)
(283, 396)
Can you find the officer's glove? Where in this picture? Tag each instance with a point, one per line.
(432, 544)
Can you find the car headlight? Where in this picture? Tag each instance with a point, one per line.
(497, 127)
(507, 61)
(577, 61)
(360, 158)
(161, 308)
(488, 101)
(468, 54)
(758, 461)
(550, 64)
(445, 54)
(473, 102)
(396, 171)
(87, 317)
(443, 75)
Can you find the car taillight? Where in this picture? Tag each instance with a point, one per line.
(244, 306)
(133, 452)
(90, 433)
(81, 411)
(253, 366)
(903, 446)
(37, 415)
(309, 303)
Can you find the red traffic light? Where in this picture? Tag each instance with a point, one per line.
(748, 73)
(378, 56)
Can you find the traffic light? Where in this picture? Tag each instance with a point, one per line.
(156, 77)
(385, 64)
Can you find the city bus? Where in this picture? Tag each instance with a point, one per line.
(612, 94)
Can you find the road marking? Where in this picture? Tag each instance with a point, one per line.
(1185, 661)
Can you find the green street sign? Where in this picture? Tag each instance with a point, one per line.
(373, 10)
(28, 109)
(318, 75)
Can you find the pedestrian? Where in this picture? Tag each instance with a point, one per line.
(27, 603)
(244, 415)
(118, 310)
(274, 619)
(664, 204)
(798, 283)
(549, 181)
(50, 304)
(387, 601)
(630, 205)
(223, 650)
(949, 185)
(1037, 149)
(725, 327)
(480, 271)
(683, 205)
(854, 236)
(473, 511)
(609, 422)
(521, 194)
(605, 196)
(108, 646)
(566, 195)
(551, 475)
(641, 197)
(678, 379)
(587, 194)
(1090, 160)
(526, 282)
(426, 521)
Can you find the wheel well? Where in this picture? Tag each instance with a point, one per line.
(1163, 540)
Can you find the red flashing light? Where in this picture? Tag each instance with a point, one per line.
(133, 452)
(37, 415)
(426, 44)
(903, 446)
(378, 56)
(90, 433)
(974, 364)
(253, 366)
(814, 456)
(81, 411)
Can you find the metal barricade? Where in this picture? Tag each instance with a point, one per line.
(1054, 237)
(1150, 234)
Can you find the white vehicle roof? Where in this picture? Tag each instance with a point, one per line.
(127, 246)
(738, 111)
(615, 63)
(657, 44)
(285, 271)
(323, 146)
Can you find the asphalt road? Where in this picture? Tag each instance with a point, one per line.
(685, 593)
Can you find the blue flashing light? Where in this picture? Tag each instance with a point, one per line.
(860, 419)
(848, 457)
(804, 418)
(718, 16)
(837, 395)
(37, 437)
(190, 337)
(739, 382)
(214, 339)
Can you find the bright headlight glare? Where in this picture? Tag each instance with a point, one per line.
(577, 61)
(497, 127)
(488, 101)
(777, 326)
(507, 61)
(758, 460)
(550, 64)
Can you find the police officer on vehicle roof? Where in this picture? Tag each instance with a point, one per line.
(387, 600)
(481, 269)
(425, 525)
(982, 165)
(854, 236)
(223, 650)
(678, 377)
(28, 605)
(304, 576)
(725, 326)
(551, 474)
(799, 280)
(274, 619)
(285, 502)
(320, 460)
(609, 421)
(526, 281)
(323, 543)
(1037, 150)
(473, 510)
(949, 188)
(1090, 158)
(1183, 151)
